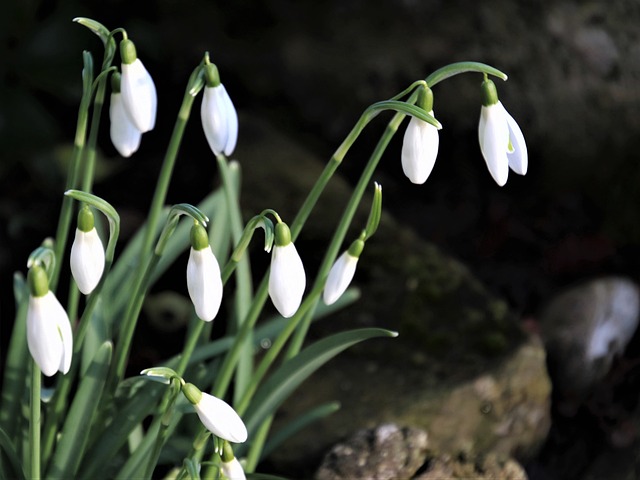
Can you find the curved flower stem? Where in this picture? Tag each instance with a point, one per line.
(462, 67)
(35, 421)
(345, 221)
(66, 211)
(145, 262)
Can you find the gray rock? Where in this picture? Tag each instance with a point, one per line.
(585, 328)
(489, 467)
(386, 452)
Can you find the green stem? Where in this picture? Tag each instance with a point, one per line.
(244, 285)
(345, 221)
(143, 270)
(66, 212)
(257, 444)
(35, 421)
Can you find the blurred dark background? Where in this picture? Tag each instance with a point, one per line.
(309, 69)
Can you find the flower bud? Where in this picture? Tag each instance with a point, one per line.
(87, 253)
(287, 279)
(204, 281)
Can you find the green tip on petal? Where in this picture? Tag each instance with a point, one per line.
(86, 221)
(355, 249)
(38, 281)
(227, 452)
(282, 234)
(489, 93)
(425, 98)
(128, 51)
(115, 82)
(199, 237)
(211, 75)
(192, 393)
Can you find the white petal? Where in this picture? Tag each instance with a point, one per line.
(87, 260)
(139, 95)
(493, 134)
(518, 159)
(233, 470)
(215, 118)
(419, 150)
(45, 317)
(232, 123)
(339, 278)
(220, 419)
(66, 335)
(124, 134)
(204, 283)
(286, 280)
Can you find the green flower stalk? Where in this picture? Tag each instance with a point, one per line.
(49, 335)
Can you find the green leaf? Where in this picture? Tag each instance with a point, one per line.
(75, 432)
(8, 452)
(293, 372)
(462, 67)
(297, 424)
(145, 396)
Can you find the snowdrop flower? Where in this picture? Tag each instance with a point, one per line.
(138, 90)
(287, 279)
(204, 281)
(87, 253)
(125, 136)
(219, 117)
(342, 272)
(216, 415)
(230, 466)
(49, 336)
(420, 143)
(501, 141)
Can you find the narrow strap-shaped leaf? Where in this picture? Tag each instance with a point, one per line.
(297, 424)
(116, 434)
(293, 372)
(75, 432)
(16, 366)
(10, 463)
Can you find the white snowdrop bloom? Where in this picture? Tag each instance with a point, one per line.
(219, 120)
(233, 469)
(204, 283)
(287, 279)
(138, 90)
(501, 141)
(125, 136)
(419, 149)
(49, 335)
(87, 260)
(216, 415)
(340, 277)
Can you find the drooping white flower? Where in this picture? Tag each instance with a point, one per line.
(87, 253)
(419, 149)
(49, 335)
(138, 90)
(501, 141)
(287, 279)
(219, 120)
(125, 136)
(233, 469)
(216, 415)
(204, 283)
(340, 277)
(87, 260)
